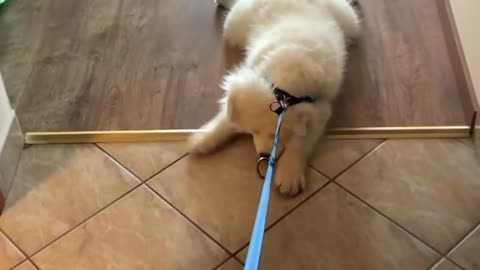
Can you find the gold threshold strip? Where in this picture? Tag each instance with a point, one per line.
(171, 135)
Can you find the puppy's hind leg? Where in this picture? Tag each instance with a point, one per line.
(238, 23)
(215, 133)
(346, 17)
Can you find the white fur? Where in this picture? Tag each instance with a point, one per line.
(300, 46)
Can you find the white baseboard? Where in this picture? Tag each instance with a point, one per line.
(6, 114)
(5, 124)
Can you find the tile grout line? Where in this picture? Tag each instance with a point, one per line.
(389, 218)
(130, 171)
(464, 238)
(368, 153)
(319, 172)
(166, 167)
(461, 241)
(441, 260)
(240, 250)
(85, 220)
(330, 180)
(117, 162)
(298, 205)
(334, 180)
(222, 263)
(28, 258)
(144, 183)
(17, 247)
(140, 183)
(238, 260)
(436, 263)
(282, 217)
(188, 219)
(228, 259)
(268, 228)
(455, 263)
(442, 254)
(232, 254)
(34, 264)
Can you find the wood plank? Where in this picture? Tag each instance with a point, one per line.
(18, 38)
(400, 72)
(157, 64)
(120, 64)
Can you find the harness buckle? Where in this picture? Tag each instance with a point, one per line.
(278, 106)
(281, 103)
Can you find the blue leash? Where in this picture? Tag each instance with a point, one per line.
(279, 106)
(256, 242)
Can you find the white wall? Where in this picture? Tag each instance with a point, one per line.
(467, 19)
(6, 114)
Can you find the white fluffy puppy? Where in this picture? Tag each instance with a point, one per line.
(300, 47)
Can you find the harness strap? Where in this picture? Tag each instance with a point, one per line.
(284, 99)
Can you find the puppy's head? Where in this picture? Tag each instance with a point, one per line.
(247, 102)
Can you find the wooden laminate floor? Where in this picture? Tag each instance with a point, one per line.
(157, 64)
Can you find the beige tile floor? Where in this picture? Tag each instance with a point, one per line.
(371, 204)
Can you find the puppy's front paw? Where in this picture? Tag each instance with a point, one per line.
(201, 143)
(290, 182)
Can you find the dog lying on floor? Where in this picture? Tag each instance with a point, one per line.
(299, 46)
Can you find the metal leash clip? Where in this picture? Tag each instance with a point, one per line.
(259, 165)
(277, 106)
(280, 104)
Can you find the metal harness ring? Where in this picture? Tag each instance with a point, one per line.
(259, 162)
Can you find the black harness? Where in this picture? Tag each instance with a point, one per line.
(283, 100)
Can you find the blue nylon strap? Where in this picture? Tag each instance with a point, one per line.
(256, 242)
